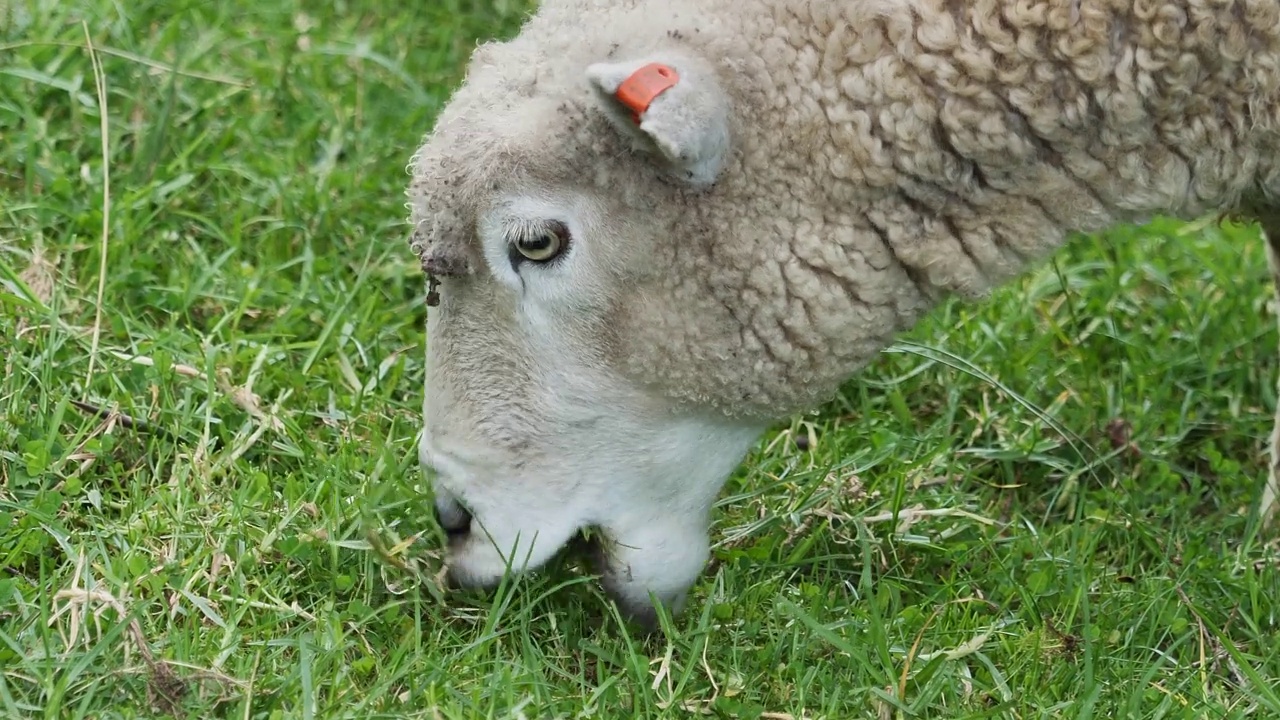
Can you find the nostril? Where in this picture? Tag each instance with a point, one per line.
(452, 517)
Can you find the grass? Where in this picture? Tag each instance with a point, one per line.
(1084, 450)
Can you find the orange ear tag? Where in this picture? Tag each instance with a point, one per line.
(638, 91)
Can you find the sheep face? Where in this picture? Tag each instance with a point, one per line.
(531, 430)
(547, 407)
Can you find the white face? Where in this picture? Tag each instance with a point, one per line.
(529, 435)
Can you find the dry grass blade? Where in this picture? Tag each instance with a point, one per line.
(969, 647)
(1219, 652)
(909, 515)
(246, 399)
(915, 648)
(100, 82)
(126, 421)
(183, 370)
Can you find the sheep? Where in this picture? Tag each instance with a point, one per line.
(651, 229)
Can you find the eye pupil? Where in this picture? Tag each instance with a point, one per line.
(542, 242)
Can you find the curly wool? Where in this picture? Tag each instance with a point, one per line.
(886, 154)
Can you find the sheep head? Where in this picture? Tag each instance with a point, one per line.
(628, 288)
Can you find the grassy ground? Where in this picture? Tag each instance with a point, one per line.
(1086, 448)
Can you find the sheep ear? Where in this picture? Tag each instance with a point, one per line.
(676, 104)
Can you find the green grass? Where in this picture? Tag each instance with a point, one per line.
(240, 555)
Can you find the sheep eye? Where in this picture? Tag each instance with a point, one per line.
(544, 244)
